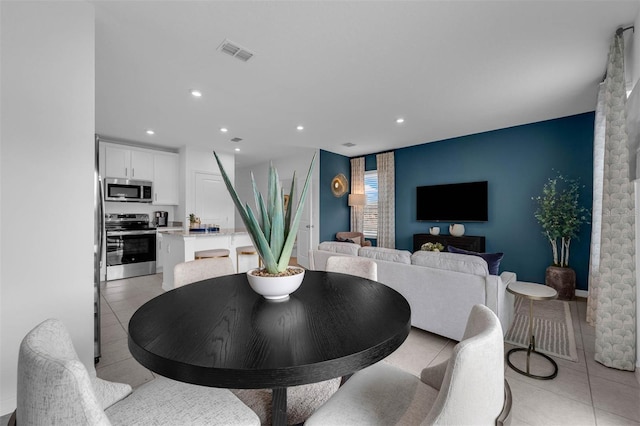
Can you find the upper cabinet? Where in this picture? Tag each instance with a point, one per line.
(160, 167)
(165, 178)
(128, 163)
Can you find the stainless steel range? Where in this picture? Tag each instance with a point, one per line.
(131, 245)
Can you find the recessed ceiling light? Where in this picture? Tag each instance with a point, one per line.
(224, 129)
(400, 120)
(300, 128)
(150, 132)
(237, 150)
(196, 93)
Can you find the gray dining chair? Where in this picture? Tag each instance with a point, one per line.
(201, 269)
(358, 266)
(468, 388)
(54, 387)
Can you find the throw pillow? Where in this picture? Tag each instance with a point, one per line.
(492, 259)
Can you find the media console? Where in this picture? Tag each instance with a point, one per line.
(466, 242)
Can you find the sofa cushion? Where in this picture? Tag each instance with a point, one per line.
(451, 261)
(390, 255)
(492, 259)
(339, 247)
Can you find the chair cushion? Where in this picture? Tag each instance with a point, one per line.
(339, 247)
(302, 400)
(452, 262)
(492, 259)
(165, 401)
(382, 253)
(108, 393)
(378, 395)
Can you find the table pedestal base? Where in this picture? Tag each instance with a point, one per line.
(528, 371)
(279, 406)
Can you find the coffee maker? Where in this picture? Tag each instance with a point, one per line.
(161, 218)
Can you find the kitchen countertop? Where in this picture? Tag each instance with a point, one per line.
(181, 232)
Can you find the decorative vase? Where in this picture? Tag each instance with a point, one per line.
(275, 288)
(563, 280)
(456, 229)
(434, 230)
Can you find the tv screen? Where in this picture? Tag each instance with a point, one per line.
(453, 202)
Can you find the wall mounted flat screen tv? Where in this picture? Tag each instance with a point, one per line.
(453, 202)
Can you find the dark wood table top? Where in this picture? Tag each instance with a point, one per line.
(220, 333)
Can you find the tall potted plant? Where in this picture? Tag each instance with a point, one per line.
(272, 228)
(560, 215)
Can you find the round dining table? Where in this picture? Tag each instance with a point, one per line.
(220, 333)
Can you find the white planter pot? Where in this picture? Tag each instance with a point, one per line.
(275, 288)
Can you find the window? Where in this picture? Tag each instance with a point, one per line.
(371, 208)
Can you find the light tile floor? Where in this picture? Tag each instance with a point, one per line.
(584, 392)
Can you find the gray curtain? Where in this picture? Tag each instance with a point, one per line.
(357, 187)
(611, 306)
(386, 200)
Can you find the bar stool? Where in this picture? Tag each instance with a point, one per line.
(204, 254)
(246, 251)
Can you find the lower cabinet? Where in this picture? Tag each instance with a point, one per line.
(466, 242)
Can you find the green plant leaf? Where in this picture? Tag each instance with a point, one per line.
(275, 246)
(293, 230)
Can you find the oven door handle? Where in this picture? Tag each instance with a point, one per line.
(120, 233)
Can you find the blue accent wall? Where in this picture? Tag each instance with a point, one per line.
(334, 212)
(516, 162)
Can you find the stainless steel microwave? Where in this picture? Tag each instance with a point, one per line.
(117, 189)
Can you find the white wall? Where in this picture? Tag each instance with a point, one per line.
(192, 161)
(46, 144)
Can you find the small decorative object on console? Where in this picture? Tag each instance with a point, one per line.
(456, 229)
(434, 230)
(432, 247)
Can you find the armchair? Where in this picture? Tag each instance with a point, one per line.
(356, 237)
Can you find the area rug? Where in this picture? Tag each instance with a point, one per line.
(552, 327)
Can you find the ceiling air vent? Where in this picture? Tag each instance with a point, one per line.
(236, 139)
(348, 144)
(231, 48)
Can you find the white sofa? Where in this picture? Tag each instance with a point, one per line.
(441, 288)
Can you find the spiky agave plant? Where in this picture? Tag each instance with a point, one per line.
(272, 228)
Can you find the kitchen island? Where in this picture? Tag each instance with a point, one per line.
(180, 246)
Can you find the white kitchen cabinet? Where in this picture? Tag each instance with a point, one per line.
(122, 162)
(159, 255)
(165, 178)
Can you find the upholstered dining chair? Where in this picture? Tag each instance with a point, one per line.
(197, 270)
(54, 387)
(357, 237)
(468, 388)
(359, 266)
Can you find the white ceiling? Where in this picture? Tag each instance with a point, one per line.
(345, 70)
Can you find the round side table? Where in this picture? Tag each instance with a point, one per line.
(532, 292)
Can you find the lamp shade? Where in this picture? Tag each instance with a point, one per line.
(357, 200)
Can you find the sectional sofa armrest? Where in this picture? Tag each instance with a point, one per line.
(507, 300)
(507, 277)
(499, 300)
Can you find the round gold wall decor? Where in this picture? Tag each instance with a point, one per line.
(339, 185)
